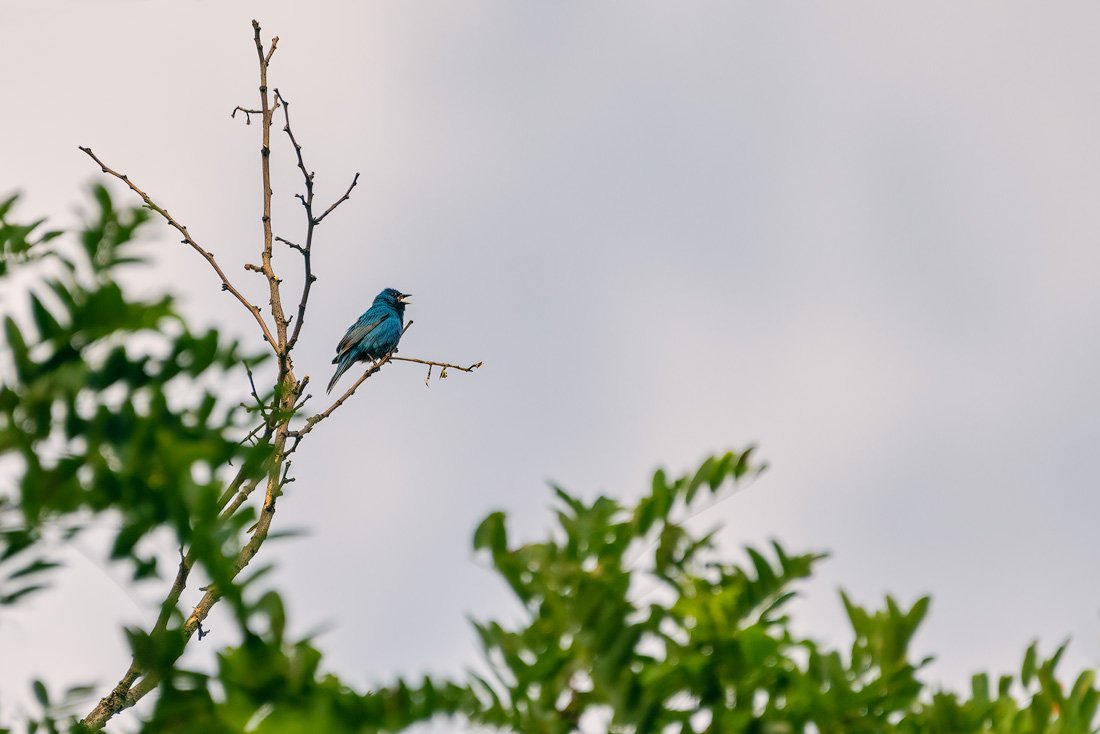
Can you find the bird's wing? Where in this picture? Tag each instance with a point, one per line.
(358, 331)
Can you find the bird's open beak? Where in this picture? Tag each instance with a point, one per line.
(404, 298)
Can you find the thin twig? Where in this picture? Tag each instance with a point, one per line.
(274, 43)
(187, 239)
(341, 200)
(247, 114)
(290, 244)
(302, 388)
(312, 421)
(169, 603)
(444, 365)
(287, 479)
(265, 410)
(252, 434)
(255, 394)
(311, 221)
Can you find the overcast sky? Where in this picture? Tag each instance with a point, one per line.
(861, 235)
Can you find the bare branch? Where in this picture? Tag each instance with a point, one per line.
(114, 701)
(260, 404)
(242, 495)
(276, 428)
(307, 203)
(290, 244)
(312, 421)
(444, 365)
(247, 114)
(341, 200)
(266, 113)
(311, 221)
(126, 693)
(169, 603)
(274, 43)
(299, 390)
(187, 239)
(198, 615)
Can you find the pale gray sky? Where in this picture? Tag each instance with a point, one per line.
(861, 235)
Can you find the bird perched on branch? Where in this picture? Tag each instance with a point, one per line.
(374, 335)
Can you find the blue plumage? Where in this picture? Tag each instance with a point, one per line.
(374, 335)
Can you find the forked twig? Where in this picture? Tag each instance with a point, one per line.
(247, 114)
(311, 221)
(187, 239)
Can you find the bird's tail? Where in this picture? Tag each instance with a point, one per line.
(340, 369)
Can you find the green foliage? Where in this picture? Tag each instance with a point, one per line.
(269, 684)
(20, 243)
(105, 411)
(629, 621)
(631, 624)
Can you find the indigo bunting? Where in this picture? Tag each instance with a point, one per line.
(374, 335)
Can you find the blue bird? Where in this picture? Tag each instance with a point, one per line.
(374, 335)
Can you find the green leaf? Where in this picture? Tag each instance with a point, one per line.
(917, 614)
(1027, 672)
(744, 465)
(764, 572)
(661, 497)
(979, 688)
(702, 477)
(13, 597)
(7, 204)
(37, 566)
(43, 320)
(18, 347)
(271, 604)
(40, 693)
(491, 534)
(574, 504)
(1083, 684)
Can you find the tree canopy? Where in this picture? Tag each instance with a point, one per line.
(112, 404)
